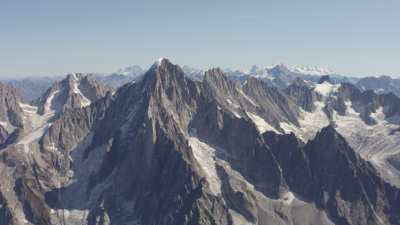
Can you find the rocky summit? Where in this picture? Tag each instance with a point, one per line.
(170, 149)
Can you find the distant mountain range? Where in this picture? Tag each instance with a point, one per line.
(172, 146)
(279, 75)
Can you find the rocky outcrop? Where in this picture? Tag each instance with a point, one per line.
(302, 94)
(11, 116)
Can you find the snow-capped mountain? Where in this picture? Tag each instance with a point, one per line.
(380, 84)
(75, 91)
(193, 73)
(121, 77)
(168, 149)
(282, 76)
(312, 70)
(131, 71)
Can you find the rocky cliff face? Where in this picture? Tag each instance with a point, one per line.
(11, 117)
(328, 172)
(170, 150)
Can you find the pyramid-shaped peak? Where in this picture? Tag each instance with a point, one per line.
(163, 71)
(279, 69)
(162, 61)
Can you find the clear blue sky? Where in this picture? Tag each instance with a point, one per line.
(44, 37)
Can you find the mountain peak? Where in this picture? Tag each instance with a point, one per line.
(215, 74)
(161, 63)
(280, 69)
(164, 72)
(75, 91)
(161, 60)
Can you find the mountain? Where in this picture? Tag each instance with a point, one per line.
(312, 70)
(172, 150)
(193, 73)
(327, 171)
(75, 91)
(367, 120)
(131, 71)
(381, 84)
(282, 76)
(121, 77)
(31, 88)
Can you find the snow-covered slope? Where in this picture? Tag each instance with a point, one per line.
(76, 90)
(312, 70)
(373, 132)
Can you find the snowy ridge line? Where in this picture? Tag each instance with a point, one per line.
(75, 89)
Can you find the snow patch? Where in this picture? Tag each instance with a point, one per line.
(49, 102)
(247, 98)
(3, 124)
(312, 70)
(35, 124)
(238, 219)
(261, 124)
(160, 60)
(310, 123)
(74, 216)
(205, 156)
(326, 88)
(75, 89)
(32, 136)
(288, 197)
(7, 126)
(376, 143)
(235, 106)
